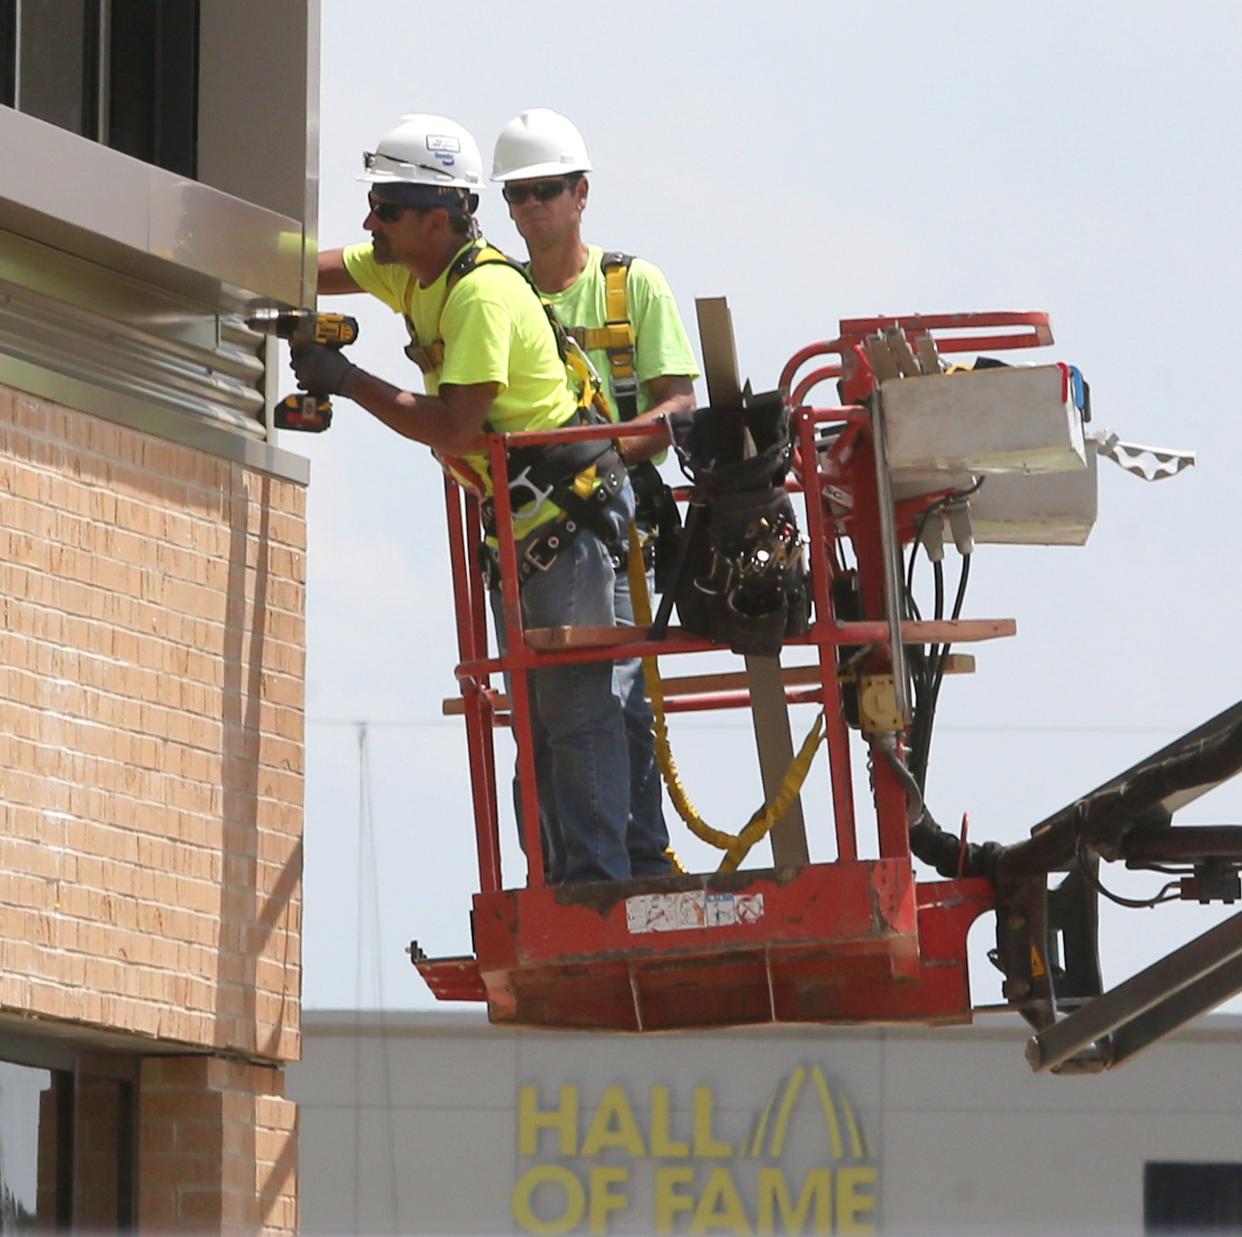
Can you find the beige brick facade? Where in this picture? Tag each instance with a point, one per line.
(152, 601)
(217, 1146)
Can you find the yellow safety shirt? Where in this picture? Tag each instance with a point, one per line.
(494, 330)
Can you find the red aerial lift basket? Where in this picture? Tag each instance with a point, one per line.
(853, 940)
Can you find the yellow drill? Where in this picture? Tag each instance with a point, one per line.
(307, 411)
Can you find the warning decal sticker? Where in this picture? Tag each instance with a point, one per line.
(694, 908)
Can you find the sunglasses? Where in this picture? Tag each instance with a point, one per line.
(389, 212)
(540, 190)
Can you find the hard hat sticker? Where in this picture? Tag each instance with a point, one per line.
(694, 908)
(443, 141)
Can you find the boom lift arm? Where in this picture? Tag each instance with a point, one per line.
(1047, 938)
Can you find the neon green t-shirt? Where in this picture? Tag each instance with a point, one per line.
(494, 330)
(660, 343)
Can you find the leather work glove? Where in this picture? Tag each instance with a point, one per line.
(322, 370)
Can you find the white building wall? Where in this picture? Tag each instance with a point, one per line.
(410, 1123)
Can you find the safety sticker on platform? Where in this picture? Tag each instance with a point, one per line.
(694, 908)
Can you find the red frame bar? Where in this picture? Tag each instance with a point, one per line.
(1038, 336)
(467, 588)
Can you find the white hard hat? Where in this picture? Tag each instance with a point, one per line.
(425, 150)
(539, 142)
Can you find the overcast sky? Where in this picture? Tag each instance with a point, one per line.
(813, 162)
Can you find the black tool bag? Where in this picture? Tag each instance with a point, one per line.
(742, 577)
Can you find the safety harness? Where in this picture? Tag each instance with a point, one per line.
(429, 357)
(581, 478)
(657, 512)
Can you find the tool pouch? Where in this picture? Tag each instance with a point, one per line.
(743, 577)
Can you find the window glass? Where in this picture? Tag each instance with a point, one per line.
(28, 1147)
(55, 66)
(124, 73)
(8, 50)
(66, 1149)
(153, 83)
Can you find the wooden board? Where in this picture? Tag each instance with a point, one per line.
(925, 631)
(714, 684)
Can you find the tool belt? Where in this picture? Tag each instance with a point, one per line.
(540, 549)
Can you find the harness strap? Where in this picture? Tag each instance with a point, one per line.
(565, 473)
(616, 337)
(613, 335)
(619, 331)
(558, 463)
(430, 356)
(588, 509)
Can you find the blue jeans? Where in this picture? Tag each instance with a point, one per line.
(647, 836)
(581, 758)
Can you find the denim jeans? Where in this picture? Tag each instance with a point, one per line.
(646, 838)
(581, 757)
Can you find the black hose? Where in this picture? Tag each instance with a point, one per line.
(933, 845)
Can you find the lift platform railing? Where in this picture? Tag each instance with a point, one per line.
(838, 942)
(876, 527)
(527, 651)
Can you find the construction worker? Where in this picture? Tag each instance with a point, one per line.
(490, 360)
(623, 312)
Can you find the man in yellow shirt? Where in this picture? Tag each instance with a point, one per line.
(541, 161)
(490, 361)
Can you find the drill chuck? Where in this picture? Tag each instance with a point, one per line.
(305, 326)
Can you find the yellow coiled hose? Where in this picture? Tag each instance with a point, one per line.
(736, 846)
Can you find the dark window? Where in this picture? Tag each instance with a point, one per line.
(1192, 1198)
(124, 72)
(8, 50)
(153, 93)
(55, 77)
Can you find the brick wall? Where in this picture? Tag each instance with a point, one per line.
(217, 1147)
(151, 726)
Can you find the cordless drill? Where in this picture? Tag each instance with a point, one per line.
(307, 411)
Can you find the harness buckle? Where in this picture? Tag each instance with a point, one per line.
(622, 361)
(541, 553)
